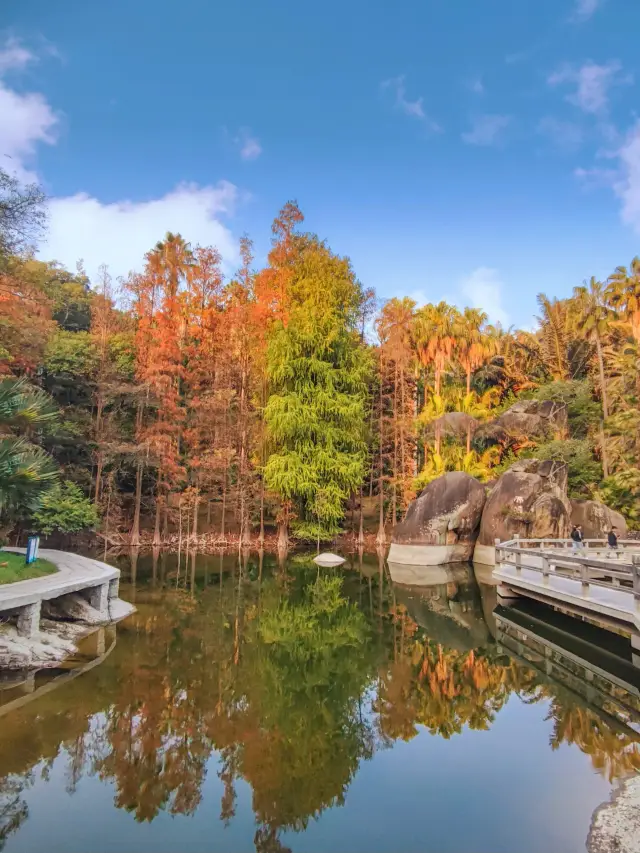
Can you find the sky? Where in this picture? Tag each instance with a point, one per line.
(479, 151)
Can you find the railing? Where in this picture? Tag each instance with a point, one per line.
(553, 557)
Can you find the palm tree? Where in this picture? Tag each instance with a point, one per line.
(26, 471)
(477, 407)
(435, 336)
(623, 292)
(554, 338)
(473, 345)
(593, 321)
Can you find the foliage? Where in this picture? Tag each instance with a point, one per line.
(317, 368)
(26, 471)
(583, 412)
(583, 470)
(621, 491)
(455, 458)
(64, 509)
(22, 214)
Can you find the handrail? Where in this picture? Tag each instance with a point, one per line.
(590, 570)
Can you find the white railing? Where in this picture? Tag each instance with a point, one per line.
(620, 568)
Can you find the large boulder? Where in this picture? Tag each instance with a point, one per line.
(441, 525)
(529, 500)
(454, 424)
(597, 519)
(531, 418)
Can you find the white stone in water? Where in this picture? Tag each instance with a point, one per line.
(328, 560)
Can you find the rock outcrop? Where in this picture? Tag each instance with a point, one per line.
(529, 500)
(597, 519)
(441, 525)
(533, 418)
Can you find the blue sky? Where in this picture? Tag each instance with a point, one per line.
(475, 150)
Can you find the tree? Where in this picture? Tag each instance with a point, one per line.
(22, 215)
(317, 369)
(474, 346)
(593, 322)
(436, 332)
(65, 509)
(26, 471)
(623, 292)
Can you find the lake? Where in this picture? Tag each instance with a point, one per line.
(252, 704)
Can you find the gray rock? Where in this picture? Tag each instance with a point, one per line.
(597, 519)
(531, 418)
(441, 525)
(529, 500)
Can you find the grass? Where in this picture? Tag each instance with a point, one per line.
(13, 568)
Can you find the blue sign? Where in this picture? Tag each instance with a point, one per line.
(33, 543)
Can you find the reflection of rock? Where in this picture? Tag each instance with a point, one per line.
(597, 519)
(421, 576)
(533, 418)
(529, 500)
(441, 525)
(450, 610)
(615, 826)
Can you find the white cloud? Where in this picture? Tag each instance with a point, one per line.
(627, 186)
(248, 145)
(565, 135)
(585, 9)
(592, 83)
(119, 234)
(486, 129)
(483, 289)
(415, 109)
(477, 86)
(25, 120)
(14, 56)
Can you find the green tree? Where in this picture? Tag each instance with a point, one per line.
(65, 509)
(317, 367)
(26, 471)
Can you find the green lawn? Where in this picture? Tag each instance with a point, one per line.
(13, 568)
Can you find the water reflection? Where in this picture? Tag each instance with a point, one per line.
(287, 679)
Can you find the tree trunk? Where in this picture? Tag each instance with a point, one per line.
(360, 539)
(224, 504)
(283, 535)
(134, 537)
(468, 379)
(261, 535)
(394, 473)
(605, 406)
(469, 437)
(381, 537)
(99, 467)
(194, 529)
(156, 529)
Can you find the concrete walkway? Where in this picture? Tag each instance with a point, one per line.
(95, 581)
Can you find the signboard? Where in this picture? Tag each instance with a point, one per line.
(33, 543)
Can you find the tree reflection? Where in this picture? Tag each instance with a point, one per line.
(280, 678)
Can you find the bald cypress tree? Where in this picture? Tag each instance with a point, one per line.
(317, 367)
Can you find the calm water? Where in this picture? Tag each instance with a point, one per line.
(270, 707)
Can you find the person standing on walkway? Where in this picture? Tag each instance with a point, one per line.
(612, 541)
(577, 542)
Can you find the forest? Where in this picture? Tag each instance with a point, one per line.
(285, 401)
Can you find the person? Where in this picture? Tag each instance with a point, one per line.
(612, 540)
(577, 541)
